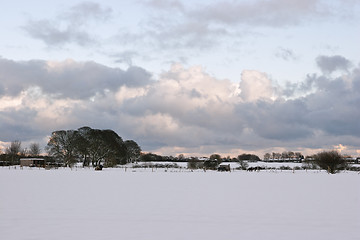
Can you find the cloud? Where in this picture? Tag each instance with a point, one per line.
(185, 109)
(165, 4)
(176, 25)
(255, 85)
(68, 79)
(285, 54)
(85, 11)
(70, 26)
(329, 64)
(125, 57)
(274, 13)
(51, 33)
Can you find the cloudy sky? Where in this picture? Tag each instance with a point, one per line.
(192, 77)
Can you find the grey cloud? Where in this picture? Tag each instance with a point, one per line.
(334, 107)
(51, 34)
(165, 34)
(279, 120)
(329, 64)
(71, 79)
(68, 27)
(13, 127)
(205, 25)
(81, 13)
(136, 76)
(165, 4)
(263, 13)
(125, 57)
(285, 54)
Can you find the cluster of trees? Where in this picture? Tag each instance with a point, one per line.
(91, 146)
(285, 156)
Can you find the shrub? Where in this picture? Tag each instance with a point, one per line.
(285, 168)
(211, 164)
(331, 161)
(194, 163)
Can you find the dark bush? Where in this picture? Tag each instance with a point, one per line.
(331, 161)
(285, 168)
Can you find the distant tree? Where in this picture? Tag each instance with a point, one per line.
(216, 157)
(267, 156)
(150, 157)
(133, 151)
(14, 151)
(249, 157)
(299, 156)
(291, 155)
(285, 155)
(62, 145)
(14, 148)
(331, 161)
(83, 144)
(211, 164)
(107, 147)
(34, 149)
(181, 157)
(194, 163)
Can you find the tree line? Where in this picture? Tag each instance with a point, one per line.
(95, 147)
(284, 156)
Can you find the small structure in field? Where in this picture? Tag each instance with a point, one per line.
(224, 168)
(32, 162)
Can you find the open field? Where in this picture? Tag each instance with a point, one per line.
(38, 204)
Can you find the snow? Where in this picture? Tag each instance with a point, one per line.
(38, 204)
(275, 164)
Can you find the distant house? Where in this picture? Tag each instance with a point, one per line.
(32, 162)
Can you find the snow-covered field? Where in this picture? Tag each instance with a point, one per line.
(141, 204)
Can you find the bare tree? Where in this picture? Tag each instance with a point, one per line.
(14, 150)
(267, 156)
(34, 149)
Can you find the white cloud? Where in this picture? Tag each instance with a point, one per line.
(126, 93)
(255, 85)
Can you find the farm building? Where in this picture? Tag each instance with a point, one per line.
(32, 162)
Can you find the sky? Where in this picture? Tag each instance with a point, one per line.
(184, 77)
